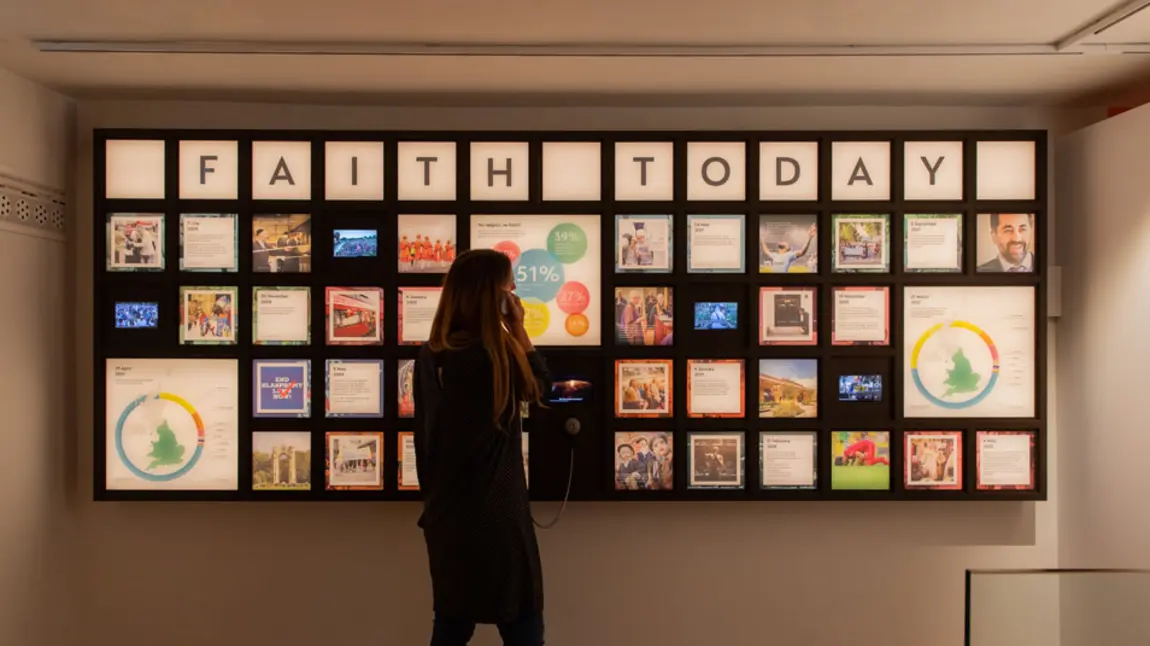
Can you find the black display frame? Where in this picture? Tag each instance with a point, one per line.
(594, 446)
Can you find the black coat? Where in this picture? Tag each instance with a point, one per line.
(476, 514)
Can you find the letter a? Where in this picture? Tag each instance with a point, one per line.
(860, 173)
(281, 173)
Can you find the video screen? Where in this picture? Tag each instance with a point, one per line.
(355, 243)
(716, 316)
(569, 390)
(860, 388)
(137, 315)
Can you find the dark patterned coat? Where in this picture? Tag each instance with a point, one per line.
(476, 516)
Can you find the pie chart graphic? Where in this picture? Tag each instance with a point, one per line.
(954, 365)
(170, 423)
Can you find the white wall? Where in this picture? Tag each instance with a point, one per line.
(678, 575)
(36, 473)
(1104, 202)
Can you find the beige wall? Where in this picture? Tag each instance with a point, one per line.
(1105, 219)
(677, 575)
(35, 389)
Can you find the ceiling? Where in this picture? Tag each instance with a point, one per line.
(1019, 69)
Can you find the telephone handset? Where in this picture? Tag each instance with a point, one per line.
(505, 304)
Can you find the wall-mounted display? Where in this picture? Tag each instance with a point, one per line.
(556, 263)
(281, 461)
(354, 315)
(644, 244)
(209, 242)
(860, 460)
(643, 388)
(281, 315)
(353, 388)
(171, 424)
(788, 316)
(644, 461)
(355, 243)
(1006, 243)
(281, 388)
(788, 244)
(132, 316)
(1006, 460)
(851, 284)
(405, 384)
(353, 460)
(417, 307)
(208, 315)
(861, 243)
(717, 315)
(427, 243)
(715, 460)
(932, 243)
(860, 316)
(789, 459)
(968, 352)
(281, 243)
(932, 459)
(788, 388)
(644, 316)
(716, 244)
(716, 388)
(408, 474)
(135, 242)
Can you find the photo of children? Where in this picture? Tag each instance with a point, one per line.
(644, 461)
(207, 315)
(860, 460)
(643, 388)
(788, 244)
(135, 242)
(788, 388)
(716, 460)
(281, 243)
(643, 243)
(933, 459)
(861, 243)
(644, 316)
(427, 244)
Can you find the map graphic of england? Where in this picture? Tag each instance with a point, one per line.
(166, 451)
(962, 378)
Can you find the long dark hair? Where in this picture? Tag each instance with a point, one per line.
(469, 313)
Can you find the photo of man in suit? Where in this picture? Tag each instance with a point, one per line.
(1012, 238)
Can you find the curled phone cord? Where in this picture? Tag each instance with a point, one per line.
(566, 496)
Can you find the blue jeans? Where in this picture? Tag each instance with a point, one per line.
(525, 631)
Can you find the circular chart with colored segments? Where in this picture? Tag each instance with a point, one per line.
(962, 377)
(166, 448)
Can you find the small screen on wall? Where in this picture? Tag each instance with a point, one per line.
(354, 243)
(137, 315)
(716, 316)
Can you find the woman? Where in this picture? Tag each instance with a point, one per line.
(476, 368)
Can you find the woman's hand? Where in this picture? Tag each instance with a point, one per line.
(514, 320)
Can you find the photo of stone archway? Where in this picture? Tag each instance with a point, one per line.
(281, 461)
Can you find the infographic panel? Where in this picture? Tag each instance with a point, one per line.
(969, 352)
(172, 424)
(556, 263)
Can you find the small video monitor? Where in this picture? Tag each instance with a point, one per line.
(716, 316)
(569, 390)
(860, 388)
(132, 316)
(355, 243)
